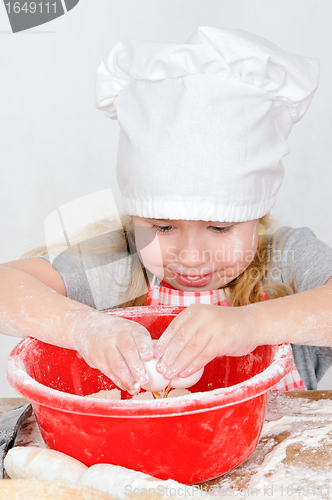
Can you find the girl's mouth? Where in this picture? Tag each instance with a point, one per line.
(193, 280)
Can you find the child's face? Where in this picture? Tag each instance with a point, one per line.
(195, 255)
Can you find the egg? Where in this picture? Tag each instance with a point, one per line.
(184, 382)
(157, 382)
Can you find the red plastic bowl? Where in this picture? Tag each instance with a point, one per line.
(189, 439)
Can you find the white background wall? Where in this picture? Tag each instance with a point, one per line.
(55, 146)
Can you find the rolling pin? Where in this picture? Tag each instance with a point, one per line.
(20, 489)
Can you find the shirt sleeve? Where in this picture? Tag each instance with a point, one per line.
(71, 269)
(312, 362)
(95, 279)
(300, 259)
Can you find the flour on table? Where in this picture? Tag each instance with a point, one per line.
(293, 458)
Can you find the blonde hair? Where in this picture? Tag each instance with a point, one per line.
(243, 290)
(247, 288)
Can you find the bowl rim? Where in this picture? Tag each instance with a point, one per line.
(197, 402)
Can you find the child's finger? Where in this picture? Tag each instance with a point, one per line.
(172, 330)
(181, 339)
(188, 354)
(116, 368)
(128, 328)
(204, 357)
(128, 348)
(143, 343)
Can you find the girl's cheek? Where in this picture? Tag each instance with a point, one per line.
(254, 239)
(150, 255)
(151, 263)
(233, 248)
(249, 244)
(241, 247)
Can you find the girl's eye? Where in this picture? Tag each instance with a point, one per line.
(163, 229)
(220, 229)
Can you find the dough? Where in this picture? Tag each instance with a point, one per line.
(116, 394)
(45, 465)
(176, 393)
(108, 394)
(143, 395)
(122, 483)
(49, 467)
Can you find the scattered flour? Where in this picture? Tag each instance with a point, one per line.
(293, 457)
(292, 460)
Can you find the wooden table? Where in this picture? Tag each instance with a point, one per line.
(293, 458)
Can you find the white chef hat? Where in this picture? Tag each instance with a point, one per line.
(204, 125)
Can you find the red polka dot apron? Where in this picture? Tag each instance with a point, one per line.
(165, 295)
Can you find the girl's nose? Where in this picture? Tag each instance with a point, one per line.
(189, 259)
(191, 253)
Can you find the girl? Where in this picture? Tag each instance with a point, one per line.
(204, 127)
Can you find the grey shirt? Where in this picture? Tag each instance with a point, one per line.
(299, 258)
(296, 258)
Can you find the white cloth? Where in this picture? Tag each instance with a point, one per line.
(204, 125)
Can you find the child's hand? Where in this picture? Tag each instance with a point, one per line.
(202, 332)
(117, 347)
